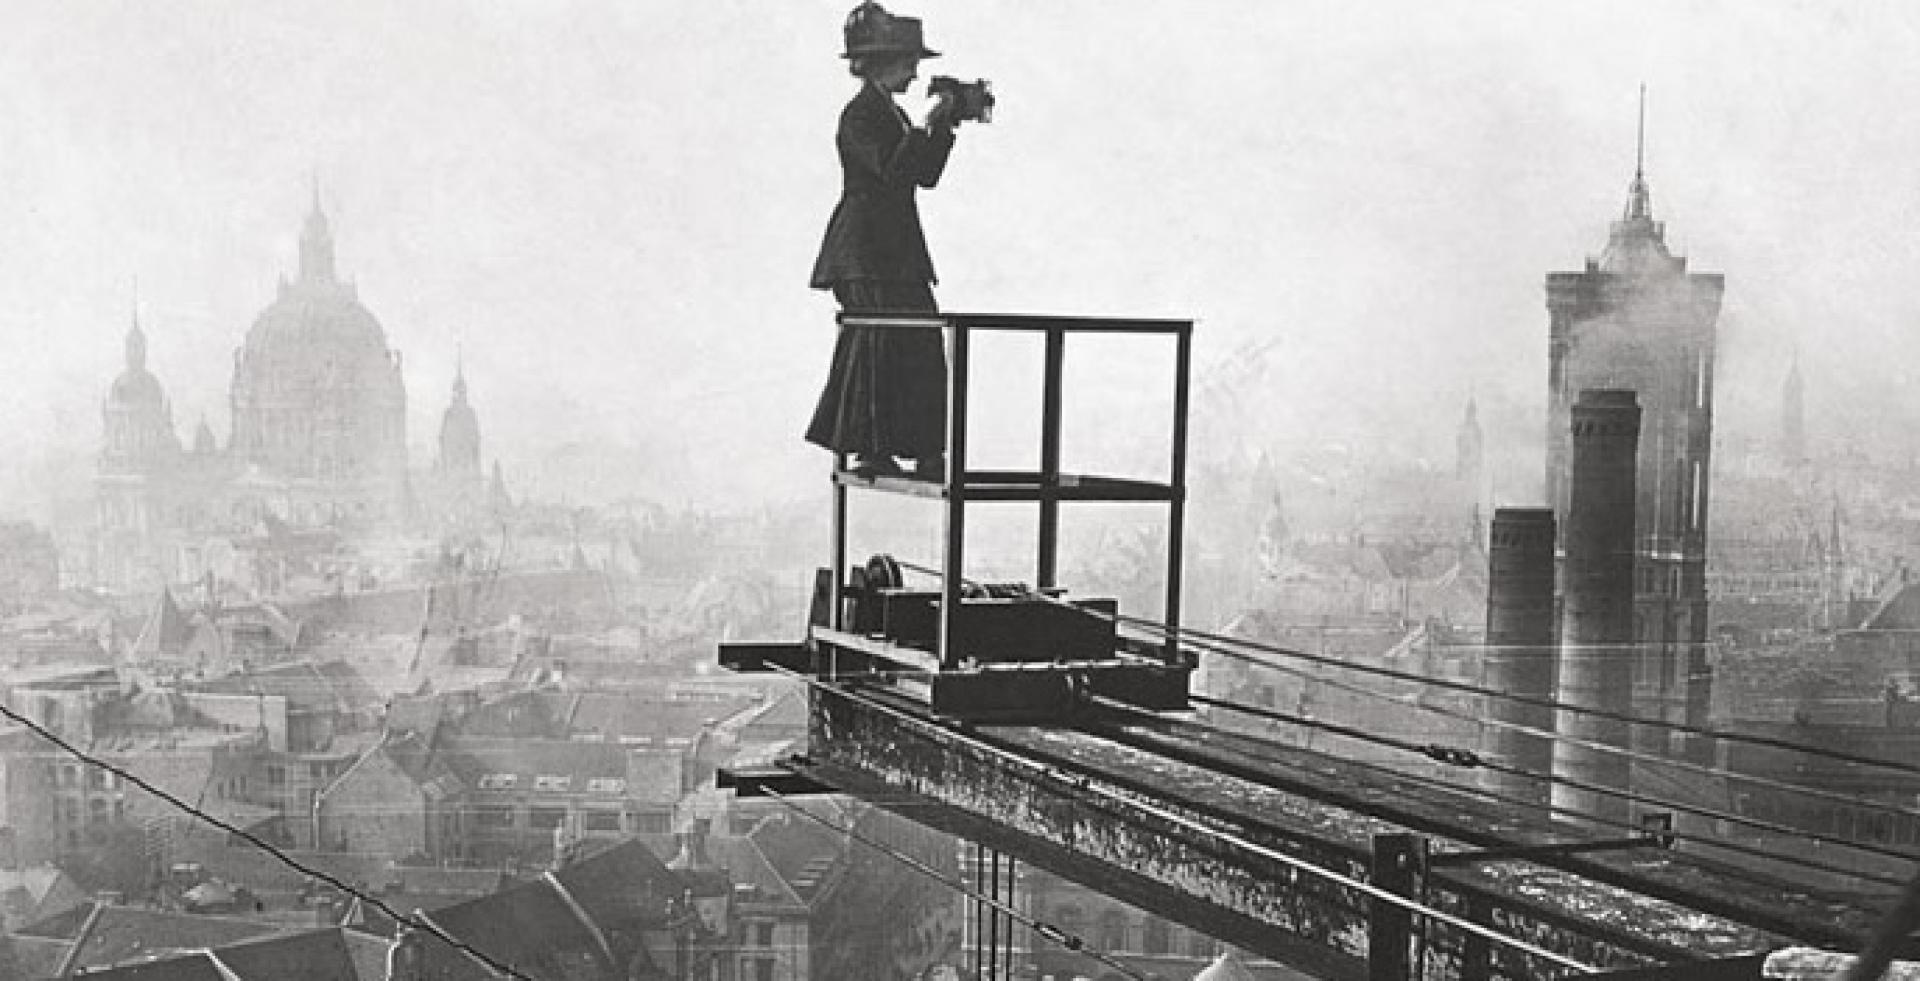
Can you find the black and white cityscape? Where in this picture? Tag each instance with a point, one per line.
(1418, 491)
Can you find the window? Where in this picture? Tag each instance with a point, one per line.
(97, 811)
(1113, 930)
(763, 934)
(763, 969)
(493, 816)
(652, 823)
(549, 781)
(547, 818)
(276, 776)
(606, 785)
(600, 820)
(499, 781)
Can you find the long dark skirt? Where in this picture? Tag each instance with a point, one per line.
(886, 394)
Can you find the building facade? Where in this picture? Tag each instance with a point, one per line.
(1636, 319)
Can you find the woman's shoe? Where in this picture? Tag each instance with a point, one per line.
(874, 466)
(933, 468)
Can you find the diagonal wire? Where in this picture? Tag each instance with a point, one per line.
(1497, 767)
(1622, 793)
(1243, 645)
(265, 846)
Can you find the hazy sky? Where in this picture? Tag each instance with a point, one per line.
(613, 206)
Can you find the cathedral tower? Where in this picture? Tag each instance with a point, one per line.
(139, 450)
(1636, 320)
(459, 435)
(138, 420)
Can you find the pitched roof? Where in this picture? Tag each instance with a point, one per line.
(1898, 611)
(747, 865)
(311, 687)
(472, 758)
(34, 892)
(1226, 967)
(529, 926)
(165, 631)
(331, 954)
(600, 904)
(415, 758)
(40, 957)
(117, 934)
(616, 715)
(197, 966)
(624, 883)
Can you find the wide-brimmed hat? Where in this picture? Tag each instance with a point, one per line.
(871, 30)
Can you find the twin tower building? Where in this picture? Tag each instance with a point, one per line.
(1629, 437)
(318, 441)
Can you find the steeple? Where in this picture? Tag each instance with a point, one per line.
(316, 244)
(136, 345)
(1636, 243)
(1469, 446)
(1639, 199)
(460, 431)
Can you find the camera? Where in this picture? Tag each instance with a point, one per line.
(971, 100)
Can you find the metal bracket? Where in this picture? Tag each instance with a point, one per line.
(755, 781)
(1656, 831)
(759, 655)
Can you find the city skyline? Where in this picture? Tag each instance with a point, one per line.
(1379, 190)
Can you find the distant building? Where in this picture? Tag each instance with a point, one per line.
(29, 564)
(1793, 417)
(1636, 319)
(318, 440)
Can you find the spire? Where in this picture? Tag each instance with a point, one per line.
(1636, 243)
(459, 375)
(1469, 445)
(136, 340)
(1639, 199)
(316, 244)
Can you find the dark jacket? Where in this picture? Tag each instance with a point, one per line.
(875, 229)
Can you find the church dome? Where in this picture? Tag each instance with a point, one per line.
(316, 392)
(136, 388)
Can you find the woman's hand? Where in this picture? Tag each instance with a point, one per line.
(941, 116)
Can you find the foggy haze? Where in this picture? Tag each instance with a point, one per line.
(608, 210)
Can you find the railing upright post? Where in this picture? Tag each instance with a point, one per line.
(1177, 484)
(953, 562)
(1050, 409)
(1396, 867)
(1476, 955)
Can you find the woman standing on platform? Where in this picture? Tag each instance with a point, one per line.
(885, 398)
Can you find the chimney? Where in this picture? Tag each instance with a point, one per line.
(1596, 654)
(1520, 658)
